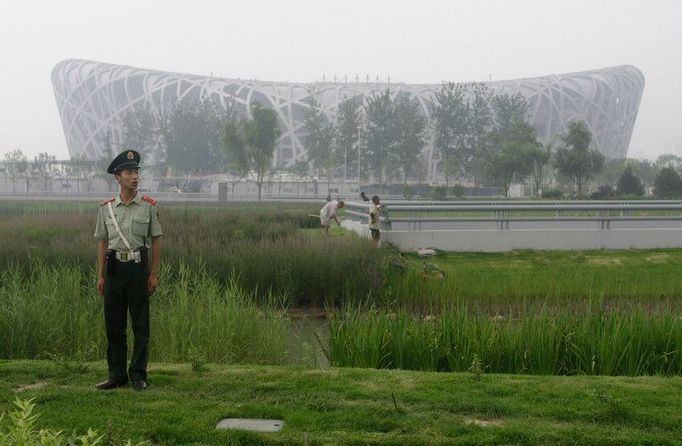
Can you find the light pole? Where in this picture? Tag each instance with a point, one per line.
(345, 169)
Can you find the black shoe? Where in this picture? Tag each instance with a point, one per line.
(139, 384)
(111, 384)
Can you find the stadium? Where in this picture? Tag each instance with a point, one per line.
(92, 98)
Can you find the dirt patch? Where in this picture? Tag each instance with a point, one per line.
(496, 422)
(34, 386)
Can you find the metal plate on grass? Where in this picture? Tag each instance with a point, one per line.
(251, 424)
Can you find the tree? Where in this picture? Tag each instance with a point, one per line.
(300, 169)
(449, 126)
(669, 160)
(629, 184)
(507, 110)
(574, 160)
(421, 170)
(511, 164)
(514, 161)
(480, 120)
(238, 165)
(644, 170)
(539, 156)
(410, 133)
(668, 184)
(43, 168)
(613, 169)
(251, 143)
(347, 131)
(141, 129)
(192, 136)
(380, 138)
(320, 138)
(17, 165)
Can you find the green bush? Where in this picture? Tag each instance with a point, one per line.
(552, 194)
(439, 193)
(629, 184)
(458, 190)
(667, 185)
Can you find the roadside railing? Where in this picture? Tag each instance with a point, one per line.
(502, 214)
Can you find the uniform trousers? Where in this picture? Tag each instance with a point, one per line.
(125, 290)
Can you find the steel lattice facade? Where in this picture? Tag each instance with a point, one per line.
(93, 96)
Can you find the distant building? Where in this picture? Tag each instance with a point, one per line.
(92, 98)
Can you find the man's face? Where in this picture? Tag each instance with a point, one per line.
(128, 179)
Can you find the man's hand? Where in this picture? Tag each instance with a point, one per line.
(152, 283)
(100, 285)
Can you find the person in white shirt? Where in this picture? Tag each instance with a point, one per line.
(328, 212)
(374, 222)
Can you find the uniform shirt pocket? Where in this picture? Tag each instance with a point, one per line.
(140, 226)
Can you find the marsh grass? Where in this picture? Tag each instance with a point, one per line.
(56, 312)
(515, 281)
(268, 249)
(593, 341)
(231, 272)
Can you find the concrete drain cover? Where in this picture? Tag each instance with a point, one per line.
(251, 424)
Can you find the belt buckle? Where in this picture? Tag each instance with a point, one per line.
(124, 256)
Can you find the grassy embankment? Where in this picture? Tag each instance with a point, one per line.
(352, 406)
(232, 270)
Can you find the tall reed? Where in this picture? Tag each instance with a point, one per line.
(596, 341)
(265, 249)
(57, 310)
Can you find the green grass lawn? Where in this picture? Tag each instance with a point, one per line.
(352, 406)
(648, 278)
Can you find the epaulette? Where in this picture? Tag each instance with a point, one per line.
(149, 200)
(108, 200)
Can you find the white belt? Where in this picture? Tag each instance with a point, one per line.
(129, 256)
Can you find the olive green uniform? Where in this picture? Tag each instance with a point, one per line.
(125, 283)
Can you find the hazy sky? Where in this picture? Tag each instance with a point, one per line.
(423, 41)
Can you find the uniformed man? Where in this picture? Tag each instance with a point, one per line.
(127, 229)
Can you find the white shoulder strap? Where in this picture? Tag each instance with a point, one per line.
(120, 234)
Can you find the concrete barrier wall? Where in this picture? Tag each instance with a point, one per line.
(495, 240)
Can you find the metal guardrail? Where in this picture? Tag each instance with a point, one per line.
(603, 212)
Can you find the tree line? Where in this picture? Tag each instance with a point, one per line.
(479, 137)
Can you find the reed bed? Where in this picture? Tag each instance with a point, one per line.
(230, 271)
(265, 248)
(56, 311)
(595, 341)
(514, 282)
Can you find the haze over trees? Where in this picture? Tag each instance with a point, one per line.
(574, 159)
(251, 143)
(479, 138)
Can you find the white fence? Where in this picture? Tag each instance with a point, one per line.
(494, 226)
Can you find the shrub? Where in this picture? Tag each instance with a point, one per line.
(439, 193)
(552, 193)
(603, 192)
(629, 184)
(458, 190)
(667, 184)
(20, 428)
